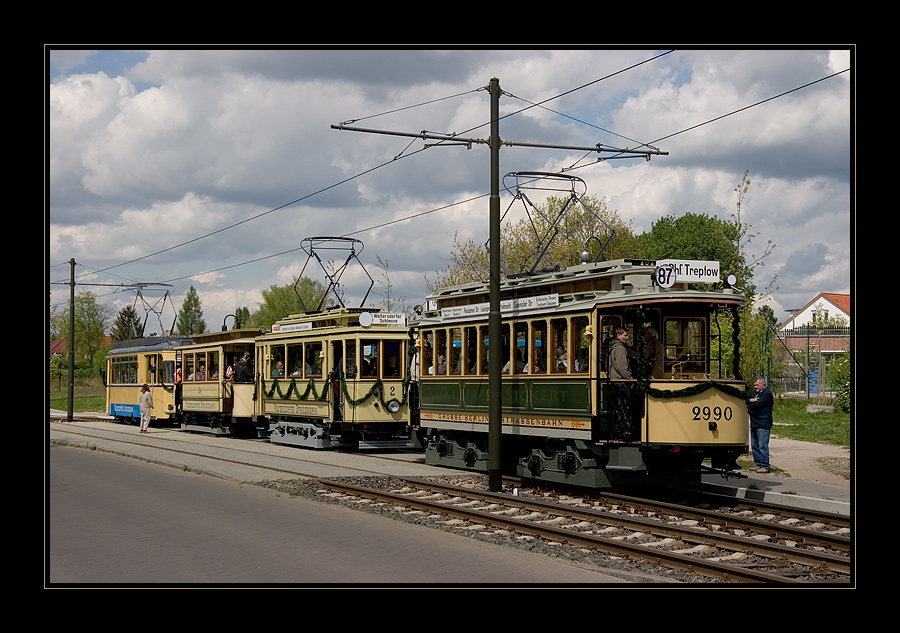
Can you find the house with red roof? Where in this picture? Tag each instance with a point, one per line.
(825, 308)
(820, 331)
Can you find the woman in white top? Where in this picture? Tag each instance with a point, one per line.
(146, 402)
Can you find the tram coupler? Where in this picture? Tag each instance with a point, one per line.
(725, 473)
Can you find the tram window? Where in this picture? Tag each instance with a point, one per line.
(581, 342)
(351, 359)
(392, 354)
(195, 366)
(200, 367)
(294, 365)
(276, 361)
(470, 353)
(429, 353)
(440, 352)
(517, 352)
(188, 366)
(123, 370)
(685, 343)
(313, 356)
(504, 344)
(369, 358)
(212, 372)
(454, 361)
(537, 364)
(484, 346)
(559, 333)
(168, 371)
(150, 362)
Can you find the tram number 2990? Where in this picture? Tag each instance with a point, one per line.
(712, 413)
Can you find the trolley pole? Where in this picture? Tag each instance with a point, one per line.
(495, 396)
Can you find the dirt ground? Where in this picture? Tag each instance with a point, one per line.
(808, 461)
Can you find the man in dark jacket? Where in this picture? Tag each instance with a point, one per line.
(760, 409)
(620, 369)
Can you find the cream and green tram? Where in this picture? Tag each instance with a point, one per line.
(564, 417)
(133, 363)
(216, 392)
(337, 378)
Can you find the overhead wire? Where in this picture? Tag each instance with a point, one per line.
(341, 182)
(404, 155)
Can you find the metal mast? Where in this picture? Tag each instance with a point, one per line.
(495, 421)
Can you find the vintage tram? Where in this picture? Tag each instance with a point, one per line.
(218, 386)
(130, 364)
(566, 417)
(336, 378)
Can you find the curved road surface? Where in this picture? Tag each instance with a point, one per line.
(113, 520)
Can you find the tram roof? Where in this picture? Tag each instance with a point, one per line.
(340, 318)
(228, 336)
(616, 282)
(149, 344)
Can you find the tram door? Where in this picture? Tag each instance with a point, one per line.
(228, 385)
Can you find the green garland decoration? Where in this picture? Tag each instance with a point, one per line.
(643, 385)
(293, 388)
(377, 390)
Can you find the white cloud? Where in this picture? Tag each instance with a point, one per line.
(188, 142)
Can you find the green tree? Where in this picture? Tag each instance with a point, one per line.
(127, 325)
(694, 236)
(91, 320)
(190, 317)
(584, 225)
(242, 317)
(282, 301)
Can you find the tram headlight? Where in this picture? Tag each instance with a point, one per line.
(393, 406)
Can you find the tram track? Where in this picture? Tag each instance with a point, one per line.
(666, 541)
(741, 544)
(808, 529)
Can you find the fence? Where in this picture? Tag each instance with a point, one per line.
(803, 354)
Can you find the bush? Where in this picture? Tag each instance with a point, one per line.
(839, 381)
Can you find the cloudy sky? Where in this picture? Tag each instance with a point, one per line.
(209, 167)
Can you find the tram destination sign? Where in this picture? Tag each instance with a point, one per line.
(292, 327)
(508, 306)
(367, 319)
(693, 271)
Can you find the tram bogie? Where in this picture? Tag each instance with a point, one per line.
(567, 416)
(135, 362)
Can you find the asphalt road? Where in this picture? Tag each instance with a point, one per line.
(115, 521)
